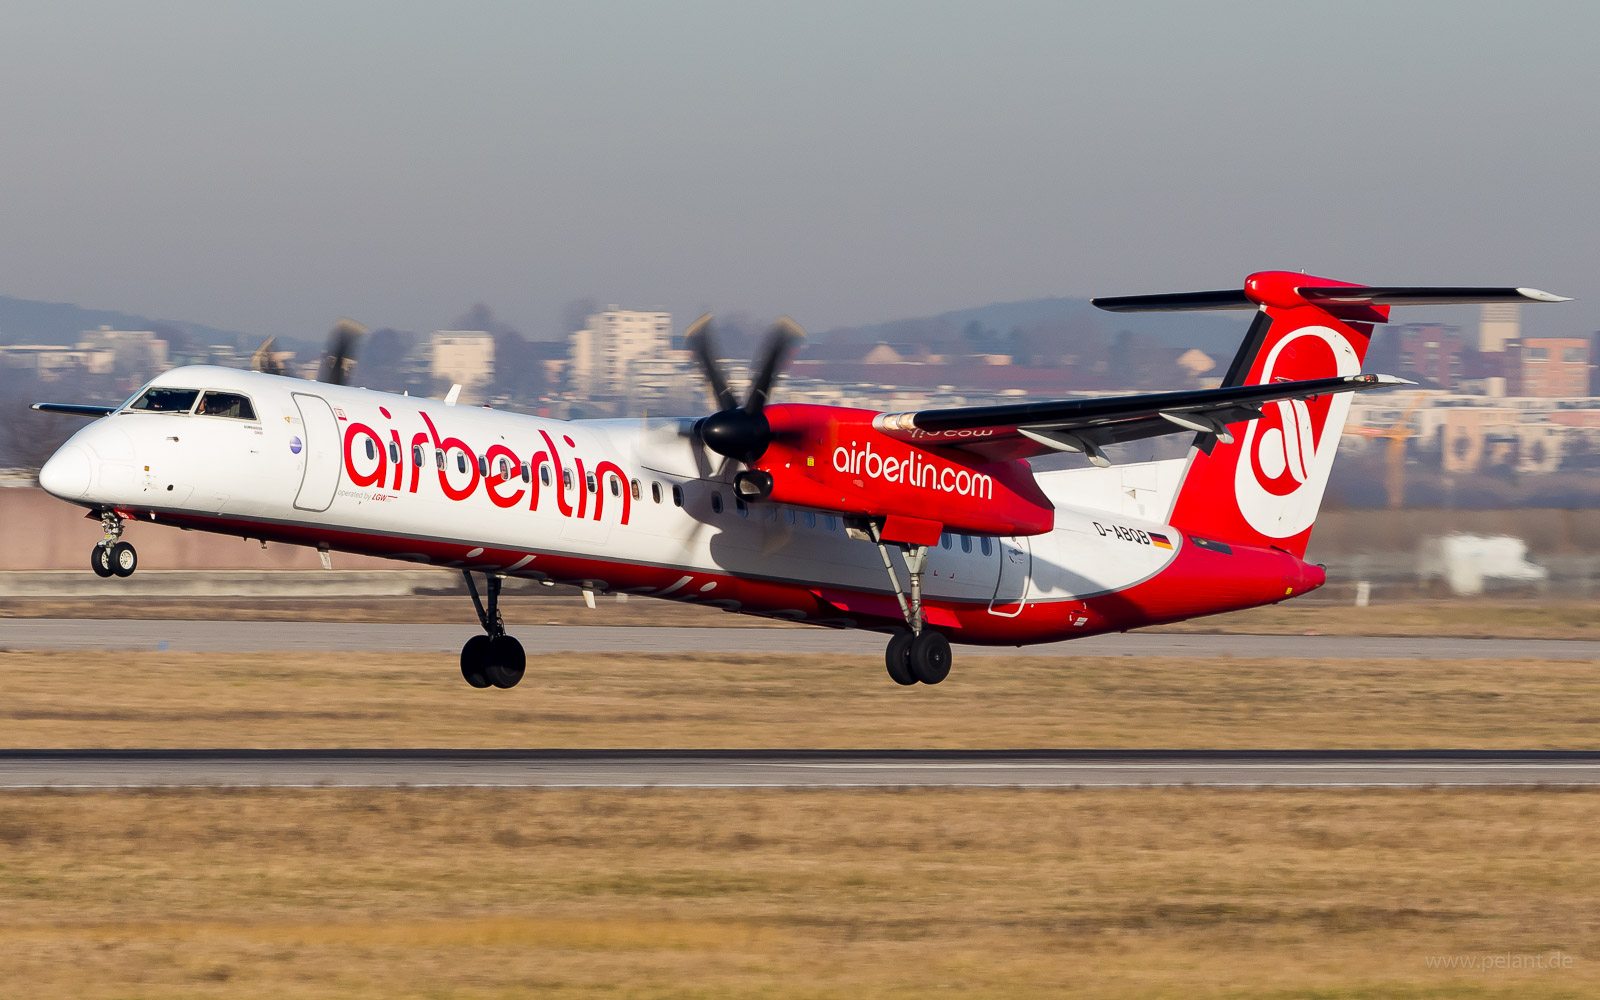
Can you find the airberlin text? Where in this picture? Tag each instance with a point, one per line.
(385, 459)
(913, 470)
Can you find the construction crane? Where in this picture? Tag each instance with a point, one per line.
(1394, 478)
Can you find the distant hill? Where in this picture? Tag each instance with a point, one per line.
(1217, 334)
(26, 321)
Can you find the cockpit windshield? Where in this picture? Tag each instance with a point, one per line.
(159, 399)
(226, 404)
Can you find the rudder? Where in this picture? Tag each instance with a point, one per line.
(1265, 484)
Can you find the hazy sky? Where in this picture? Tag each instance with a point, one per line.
(269, 167)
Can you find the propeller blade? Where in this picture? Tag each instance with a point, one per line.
(786, 333)
(340, 357)
(265, 360)
(698, 339)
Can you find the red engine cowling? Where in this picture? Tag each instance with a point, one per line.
(831, 458)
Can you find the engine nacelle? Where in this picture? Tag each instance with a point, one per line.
(831, 458)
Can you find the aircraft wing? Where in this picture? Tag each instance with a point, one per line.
(1021, 430)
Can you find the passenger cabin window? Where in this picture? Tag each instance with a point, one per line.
(162, 400)
(372, 450)
(655, 492)
(438, 458)
(677, 496)
(418, 456)
(616, 486)
(633, 484)
(527, 473)
(966, 543)
(394, 452)
(566, 479)
(716, 502)
(740, 506)
(987, 547)
(461, 461)
(832, 522)
(588, 480)
(944, 540)
(226, 404)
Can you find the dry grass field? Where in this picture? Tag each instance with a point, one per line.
(476, 894)
(472, 894)
(60, 699)
(1460, 618)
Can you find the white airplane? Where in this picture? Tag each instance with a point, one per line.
(797, 512)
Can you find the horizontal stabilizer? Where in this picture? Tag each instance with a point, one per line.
(75, 409)
(1424, 296)
(1282, 291)
(1227, 298)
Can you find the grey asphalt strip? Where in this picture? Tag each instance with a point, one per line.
(271, 636)
(20, 769)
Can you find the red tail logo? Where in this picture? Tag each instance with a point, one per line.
(1267, 485)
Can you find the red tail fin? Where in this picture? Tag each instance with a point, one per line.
(1266, 486)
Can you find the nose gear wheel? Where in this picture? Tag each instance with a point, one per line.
(111, 556)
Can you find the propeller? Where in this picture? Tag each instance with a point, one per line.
(337, 359)
(265, 360)
(734, 431)
(340, 356)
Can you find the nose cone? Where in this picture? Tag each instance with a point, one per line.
(68, 474)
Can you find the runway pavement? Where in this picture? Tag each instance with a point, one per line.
(256, 636)
(87, 769)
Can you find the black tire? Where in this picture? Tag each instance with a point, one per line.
(930, 656)
(474, 661)
(898, 659)
(100, 560)
(507, 662)
(124, 560)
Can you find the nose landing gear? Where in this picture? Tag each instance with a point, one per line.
(493, 658)
(111, 556)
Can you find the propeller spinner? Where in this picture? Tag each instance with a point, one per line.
(734, 431)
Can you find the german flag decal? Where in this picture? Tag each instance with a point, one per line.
(1160, 540)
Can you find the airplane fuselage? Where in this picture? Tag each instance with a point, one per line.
(623, 506)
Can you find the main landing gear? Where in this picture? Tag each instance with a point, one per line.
(921, 655)
(111, 556)
(493, 658)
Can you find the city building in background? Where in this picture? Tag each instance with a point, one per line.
(613, 346)
(1432, 354)
(1547, 367)
(464, 357)
(1498, 322)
